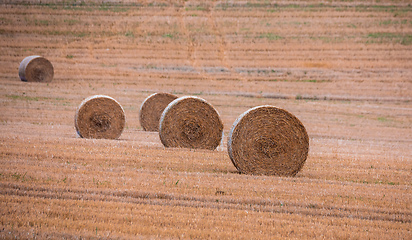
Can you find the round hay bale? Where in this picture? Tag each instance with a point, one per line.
(267, 140)
(36, 69)
(190, 122)
(100, 116)
(152, 109)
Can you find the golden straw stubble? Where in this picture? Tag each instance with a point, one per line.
(267, 140)
(36, 69)
(152, 109)
(190, 122)
(100, 116)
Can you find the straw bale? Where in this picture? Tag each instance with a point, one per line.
(267, 140)
(152, 109)
(190, 122)
(36, 69)
(100, 116)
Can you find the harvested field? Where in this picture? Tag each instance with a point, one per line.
(343, 68)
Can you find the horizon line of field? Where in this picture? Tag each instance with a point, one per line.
(35, 26)
(311, 71)
(269, 95)
(100, 44)
(263, 95)
(309, 97)
(224, 6)
(219, 201)
(378, 37)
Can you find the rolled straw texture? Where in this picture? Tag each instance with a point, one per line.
(152, 109)
(190, 122)
(36, 69)
(267, 140)
(100, 116)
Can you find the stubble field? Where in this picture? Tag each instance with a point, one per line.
(344, 68)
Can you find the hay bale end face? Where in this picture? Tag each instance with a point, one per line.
(36, 69)
(267, 140)
(190, 122)
(100, 116)
(152, 109)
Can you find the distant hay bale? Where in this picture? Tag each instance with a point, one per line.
(100, 116)
(190, 122)
(152, 109)
(267, 140)
(36, 69)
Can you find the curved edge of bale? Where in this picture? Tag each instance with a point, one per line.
(87, 100)
(150, 118)
(230, 139)
(36, 68)
(179, 100)
(239, 120)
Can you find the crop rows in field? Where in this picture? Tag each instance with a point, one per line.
(342, 67)
(132, 185)
(273, 52)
